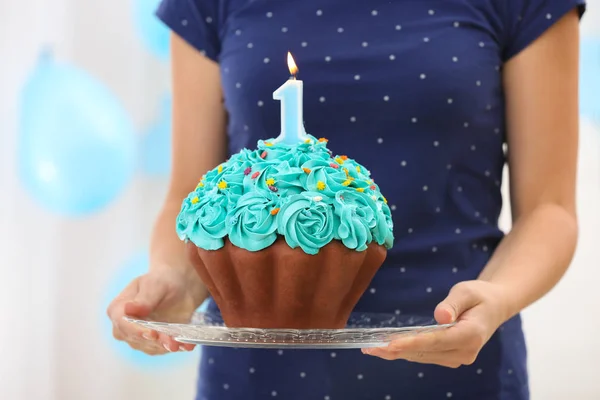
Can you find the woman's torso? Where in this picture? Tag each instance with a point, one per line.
(413, 91)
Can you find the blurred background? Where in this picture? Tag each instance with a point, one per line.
(84, 142)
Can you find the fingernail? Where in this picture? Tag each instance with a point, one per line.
(181, 348)
(452, 314)
(146, 336)
(366, 351)
(166, 346)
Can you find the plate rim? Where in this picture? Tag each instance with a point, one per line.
(280, 345)
(220, 336)
(287, 330)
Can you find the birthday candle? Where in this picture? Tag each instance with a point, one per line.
(290, 95)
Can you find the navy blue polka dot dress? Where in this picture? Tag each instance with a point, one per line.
(413, 90)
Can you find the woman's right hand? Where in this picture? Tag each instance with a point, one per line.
(199, 142)
(163, 294)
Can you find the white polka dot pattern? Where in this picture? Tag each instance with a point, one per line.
(419, 94)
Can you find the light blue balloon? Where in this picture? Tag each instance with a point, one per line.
(77, 145)
(156, 143)
(589, 89)
(153, 32)
(136, 266)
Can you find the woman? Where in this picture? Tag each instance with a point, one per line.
(425, 93)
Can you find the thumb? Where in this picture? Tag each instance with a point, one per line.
(145, 301)
(461, 298)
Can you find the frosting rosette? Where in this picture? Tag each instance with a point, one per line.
(358, 216)
(355, 169)
(302, 193)
(261, 177)
(307, 221)
(326, 177)
(360, 220)
(288, 179)
(252, 224)
(202, 219)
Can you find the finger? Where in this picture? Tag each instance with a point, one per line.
(461, 298)
(148, 334)
(115, 308)
(116, 312)
(452, 338)
(146, 342)
(126, 331)
(117, 334)
(150, 348)
(186, 347)
(147, 298)
(446, 358)
(132, 331)
(170, 344)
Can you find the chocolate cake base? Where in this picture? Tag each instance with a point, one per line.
(281, 287)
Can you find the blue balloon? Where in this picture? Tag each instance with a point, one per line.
(154, 33)
(156, 143)
(136, 266)
(77, 145)
(589, 89)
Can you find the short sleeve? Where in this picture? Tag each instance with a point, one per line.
(195, 21)
(526, 20)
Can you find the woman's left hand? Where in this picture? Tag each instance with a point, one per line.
(478, 307)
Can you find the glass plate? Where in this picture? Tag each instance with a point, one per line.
(363, 330)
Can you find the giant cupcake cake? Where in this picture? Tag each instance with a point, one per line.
(286, 235)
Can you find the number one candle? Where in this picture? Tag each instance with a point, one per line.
(290, 95)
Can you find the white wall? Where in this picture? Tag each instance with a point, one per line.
(53, 344)
(561, 329)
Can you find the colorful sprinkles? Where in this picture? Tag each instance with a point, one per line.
(290, 173)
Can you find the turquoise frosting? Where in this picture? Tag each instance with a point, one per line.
(301, 192)
(307, 223)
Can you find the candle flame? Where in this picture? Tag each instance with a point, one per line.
(292, 64)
